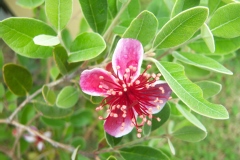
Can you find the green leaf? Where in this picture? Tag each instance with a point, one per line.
(75, 154)
(112, 8)
(95, 12)
(2, 90)
(60, 57)
(171, 147)
(82, 118)
(180, 28)
(189, 92)
(112, 158)
(207, 36)
(143, 153)
(67, 97)
(225, 22)
(201, 61)
(18, 33)
(26, 114)
(112, 141)
(86, 46)
(209, 88)
(222, 45)
(163, 115)
(142, 28)
(131, 11)
(46, 40)
(1, 59)
(52, 112)
(190, 134)
(190, 117)
(58, 12)
(54, 123)
(48, 95)
(181, 5)
(213, 5)
(30, 3)
(66, 38)
(17, 78)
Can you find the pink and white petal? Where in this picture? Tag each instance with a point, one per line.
(113, 125)
(29, 138)
(128, 52)
(40, 146)
(90, 82)
(47, 134)
(163, 91)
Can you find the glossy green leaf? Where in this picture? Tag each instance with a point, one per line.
(46, 40)
(75, 154)
(225, 22)
(95, 13)
(17, 78)
(163, 115)
(60, 57)
(190, 134)
(142, 28)
(66, 38)
(86, 46)
(52, 112)
(209, 88)
(30, 3)
(48, 95)
(84, 27)
(112, 141)
(143, 153)
(201, 61)
(190, 117)
(207, 36)
(171, 147)
(180, 28)
(27, 113)
(112, 158)
(67, 97)
(189, 92)
(193, 72)
(18, 33)
(58, 12)
(54, 123)
(222, 45)
(181, 5)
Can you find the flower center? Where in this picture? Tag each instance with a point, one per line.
(135, 98)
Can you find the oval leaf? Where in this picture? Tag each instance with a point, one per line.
(225, 22)
(52, 112)
(86, 46)
(201, 61)
(143, 153)
(95, 12)
(190, 134)
(48, 95)
(180, 28)
(142, 28)
(171, 147)
(30, 3)
(17, 78)
(209, 88)
(46, 40)
(163, 115)
(190, 117)
(18, 33)
(68, 97)
(207, 36)
(189, 92)
(59, 12)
